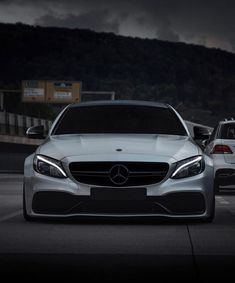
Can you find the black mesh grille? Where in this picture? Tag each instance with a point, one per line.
(119, 207)
(61, 203)
(139, 173)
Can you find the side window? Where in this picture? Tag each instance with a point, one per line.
(228, 131)
(231, 132)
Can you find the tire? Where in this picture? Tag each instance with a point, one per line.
(25, 214)
(211, 217)
(216, 187)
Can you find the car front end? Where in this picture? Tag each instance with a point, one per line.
(119, 175)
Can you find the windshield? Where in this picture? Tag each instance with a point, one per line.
(127, 119)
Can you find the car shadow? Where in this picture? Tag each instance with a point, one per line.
(115, 221)
(226, 192)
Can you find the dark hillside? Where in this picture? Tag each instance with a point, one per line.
(195, 76)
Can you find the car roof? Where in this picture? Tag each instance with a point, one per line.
(120, 102)
(227, 122)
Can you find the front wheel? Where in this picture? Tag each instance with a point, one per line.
(25, 214)
(216, 187)
(211, 216)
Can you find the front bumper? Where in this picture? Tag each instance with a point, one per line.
(225, 177)
(172, 198)
(61, 203)
(224, 172)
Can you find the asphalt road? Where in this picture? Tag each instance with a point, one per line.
(111, 250)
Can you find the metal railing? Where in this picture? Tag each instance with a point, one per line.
(16, 125)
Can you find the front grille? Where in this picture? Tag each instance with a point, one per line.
(136, 173)
(119, 207)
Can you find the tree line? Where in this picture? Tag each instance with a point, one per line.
(145, 69)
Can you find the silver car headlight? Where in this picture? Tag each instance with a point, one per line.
(189, 167)
(48, 166)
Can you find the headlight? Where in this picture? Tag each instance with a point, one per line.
(189, 167)
(48, 166)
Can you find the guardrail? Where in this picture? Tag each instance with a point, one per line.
(16, 125)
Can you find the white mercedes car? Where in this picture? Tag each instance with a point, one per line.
(221, 148)
(118, 159)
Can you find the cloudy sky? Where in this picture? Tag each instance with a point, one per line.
(206, 22)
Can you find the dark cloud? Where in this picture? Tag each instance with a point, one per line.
(207, 22)
(165, 32)
(94, 20)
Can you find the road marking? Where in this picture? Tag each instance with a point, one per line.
(221, 200)
(8, 177)
(11, 215)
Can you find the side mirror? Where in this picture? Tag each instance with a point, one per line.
(201, 133)
(36, 132)
(205, 143)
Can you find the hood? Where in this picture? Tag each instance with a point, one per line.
(104, 147)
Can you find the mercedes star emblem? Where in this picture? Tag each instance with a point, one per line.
(119, 174)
